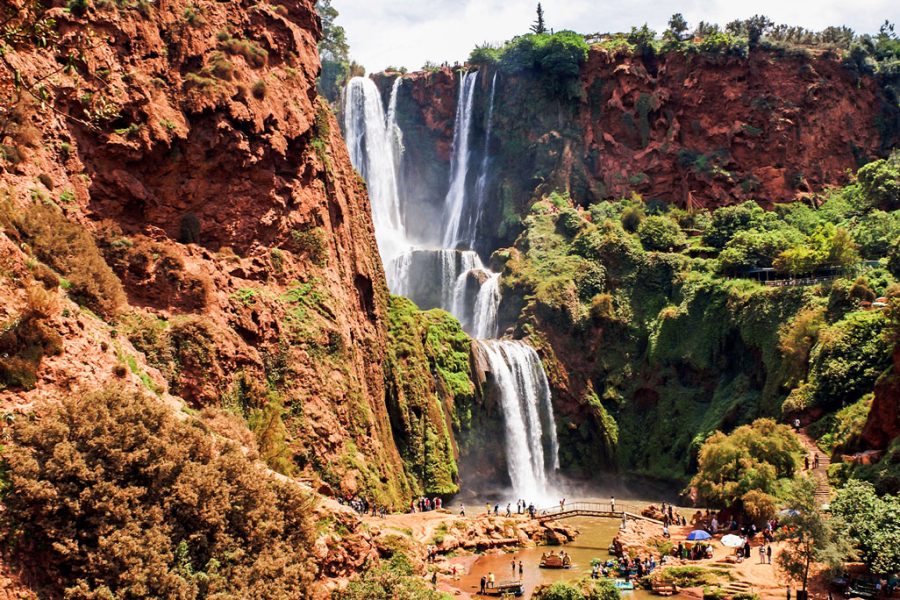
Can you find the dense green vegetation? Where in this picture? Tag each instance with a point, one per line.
(391, 579)
(583, 589)
(116, 498)
(334, 52)
(555, 59)
(427, 376)
(675, 337)
(874, 521)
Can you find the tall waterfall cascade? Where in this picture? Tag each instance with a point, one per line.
(532, 448)
(374, 142)
(454, 277)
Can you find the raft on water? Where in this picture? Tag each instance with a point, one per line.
(505, 588)
(555, 561)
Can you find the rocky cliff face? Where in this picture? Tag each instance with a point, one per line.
(182, 145)
(699, 130)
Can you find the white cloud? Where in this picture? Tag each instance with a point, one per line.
(409, 32)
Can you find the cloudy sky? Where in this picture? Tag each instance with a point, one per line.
(409, 32)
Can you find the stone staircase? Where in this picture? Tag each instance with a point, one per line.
(824, 493)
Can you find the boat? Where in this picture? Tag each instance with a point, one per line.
(623, 585)
(556, 561)
(506, 589)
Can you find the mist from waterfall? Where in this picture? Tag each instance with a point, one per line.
(532, 447)
(375, 144)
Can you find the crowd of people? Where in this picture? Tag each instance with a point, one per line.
(362, 506)
(625, 567)
(423, 504)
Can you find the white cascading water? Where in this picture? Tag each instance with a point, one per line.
(527, 414)
(375, 142)
(482, 181)
(455, 203)
(487, 303)
(375, 146)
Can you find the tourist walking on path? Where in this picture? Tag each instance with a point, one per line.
(769, 553)
(762, 555)
(612, 503)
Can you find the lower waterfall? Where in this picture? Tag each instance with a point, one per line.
(532, 448)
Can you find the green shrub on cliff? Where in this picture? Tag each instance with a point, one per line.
(584, 589)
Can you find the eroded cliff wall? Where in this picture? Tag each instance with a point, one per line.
(180, 215)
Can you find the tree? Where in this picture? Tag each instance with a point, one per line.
(879, 182)
(756, 27)
(874, 523)
(809, 536)
(678, 26)
(539, 27)
(660, 233)
(753, 458)
(333, 51)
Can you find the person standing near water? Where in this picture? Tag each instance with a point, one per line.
(483, 582)
(520, 569)
(612, 502)
(491, 580)
(514, 566)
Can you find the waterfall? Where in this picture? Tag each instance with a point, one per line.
(481, 182)
(453, 277)
(487, 302)
(532, 448)
(374, 146)
(455, 203)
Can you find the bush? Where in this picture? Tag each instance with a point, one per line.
(390, 579)
(26, 339)
(632, 217)
(849, 358)
(728, 220)
(117, 498)
(661, 234)
(70, 249)
(874, 522)
(312, 242)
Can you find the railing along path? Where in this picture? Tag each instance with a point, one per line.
(592, 509)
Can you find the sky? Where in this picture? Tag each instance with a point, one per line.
(408, 33)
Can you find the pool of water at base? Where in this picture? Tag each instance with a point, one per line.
(592, 542)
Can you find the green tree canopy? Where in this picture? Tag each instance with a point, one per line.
(660, 233)
(874, 524)
(753, 458)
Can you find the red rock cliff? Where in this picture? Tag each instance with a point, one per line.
(683, 128)
(187, 140)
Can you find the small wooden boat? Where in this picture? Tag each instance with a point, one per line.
(555, 561)
(506, 588)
